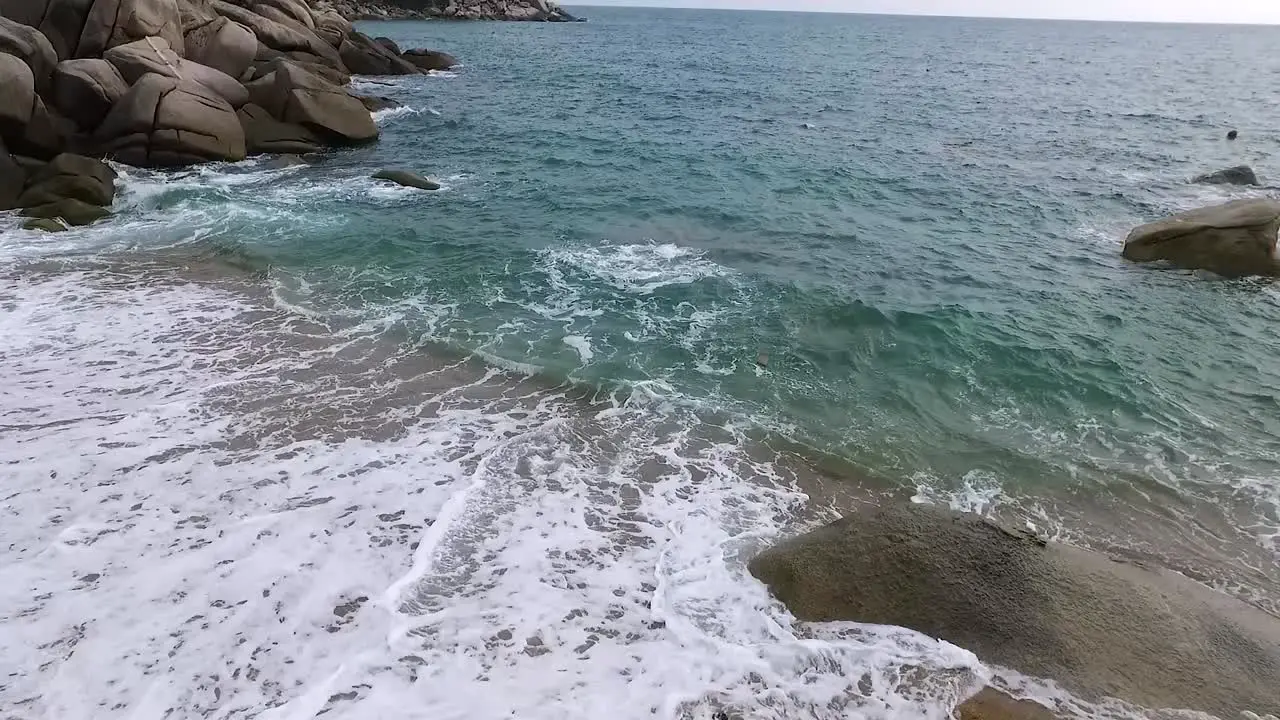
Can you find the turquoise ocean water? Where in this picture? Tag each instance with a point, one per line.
(915, 222)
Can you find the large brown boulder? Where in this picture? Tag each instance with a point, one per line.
(118, 22)
(153, 56)
(224, 45)
(60, 21)
(27, 126)
(363, 56)
(1101, 628)
(32, 46)
(167, 122)
(265, 134)
(332, 27)
(430, 59)
(195, 14)
(1233, 240)
(85, 89)
(70, 176)
(282, 36)
(18, 88)
(296, 96)
(295, 11)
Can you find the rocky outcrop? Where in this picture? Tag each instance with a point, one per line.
(1099, 627)
(1238, 175)
(164, 83)
(1233, 240)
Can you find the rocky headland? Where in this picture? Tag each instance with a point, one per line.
(173, 83)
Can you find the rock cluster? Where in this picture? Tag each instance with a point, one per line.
(164, 83)
(518, 10)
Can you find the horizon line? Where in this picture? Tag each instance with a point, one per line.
(952, 16)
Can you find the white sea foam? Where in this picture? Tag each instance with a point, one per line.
(978, 493)
(383, 116)
(638, 268)
(203, 516)
(582, 345)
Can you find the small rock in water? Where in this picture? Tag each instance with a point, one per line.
(1239, 175)
(406, 178)
(1233, 135)
(45, 224)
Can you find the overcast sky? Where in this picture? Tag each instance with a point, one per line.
(1242, 11)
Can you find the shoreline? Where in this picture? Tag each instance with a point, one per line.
(406, 386)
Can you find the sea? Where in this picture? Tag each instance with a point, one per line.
(285, 442)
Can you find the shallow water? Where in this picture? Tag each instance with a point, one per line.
(524, 419)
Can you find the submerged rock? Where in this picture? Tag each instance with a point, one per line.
(1234, 240)
(45, 224)
(1238, 175)
(73, 211)
(406, 178)
(1097, 626)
